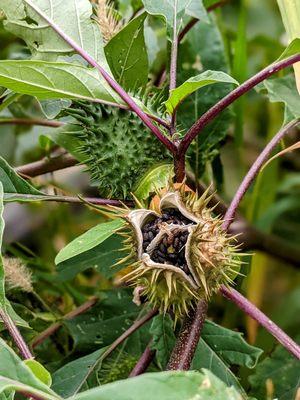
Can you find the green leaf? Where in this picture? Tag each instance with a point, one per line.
(163, 338)
(173, 11)
(192, 84)
(55, 80)
(292, 49)
(156, 178)
(282, 369)
(101, 257)
(105, 322)
(16, 375)
(127, 55)
(230, 345)
(89, 239)
(73, 17)
(12, 183)
(219, 348)
(71, 377)
(175, 385)
(39, 371)
(284, 90)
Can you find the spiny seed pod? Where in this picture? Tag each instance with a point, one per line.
(117, 148)
(179, 250)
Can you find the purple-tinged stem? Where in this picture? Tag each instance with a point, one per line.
(15, 335)
(253, 171)
(113, 84)
(187, 341)
(250, 309)
(215, 110)
(143, 363)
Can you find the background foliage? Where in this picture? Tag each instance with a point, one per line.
(69, 249)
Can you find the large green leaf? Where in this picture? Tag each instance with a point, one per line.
(55, 80)
(73, 17)
(192, 84)
(89, 239)
(173, 11)
(283, 370)
(127, 55)
(70, 378)
(102, 257)
(16, 375)
(230, 345)
(219, 348)
(167, 385)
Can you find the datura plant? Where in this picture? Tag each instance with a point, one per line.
(178, 250)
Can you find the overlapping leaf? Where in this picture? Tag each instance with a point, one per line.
(55, 80)
(127, 55)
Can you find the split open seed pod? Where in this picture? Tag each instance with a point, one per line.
(179, 251)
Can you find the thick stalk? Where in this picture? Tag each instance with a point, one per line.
(187, 341)
(179, 167)
(215, 110)
(112, 83)
(143, 363)
(15, 335)
(251, 310)
(253, 171)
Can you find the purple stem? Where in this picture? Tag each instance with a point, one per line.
(215, 110)
(113, 84)
(143, 363)
(253, 171)
(15, 335)
(250, 309)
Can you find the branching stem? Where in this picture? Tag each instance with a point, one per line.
(251, 310)
(215, 110)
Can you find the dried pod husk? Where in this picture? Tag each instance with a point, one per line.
(179, 251)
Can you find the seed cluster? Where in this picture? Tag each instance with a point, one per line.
(171, 249)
